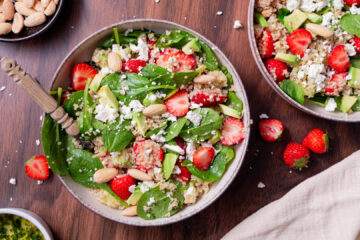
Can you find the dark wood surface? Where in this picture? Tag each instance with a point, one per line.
(20, 121)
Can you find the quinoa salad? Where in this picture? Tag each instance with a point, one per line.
(311, 49)
(158, 119)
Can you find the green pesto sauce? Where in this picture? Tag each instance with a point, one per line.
(13, 227)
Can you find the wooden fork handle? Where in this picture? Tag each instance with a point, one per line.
(39, 95)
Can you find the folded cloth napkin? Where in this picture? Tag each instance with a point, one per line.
(323, 207)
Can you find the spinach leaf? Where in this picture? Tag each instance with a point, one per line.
(82, 168)
(210, 121)
(209, 58)
(292, 89)
(319, 99)
(356, 107)
(73, 102)
(131, 37)
(355, 62)
(228, 75)
(324, 10)
(160, 208)
(175, 128)
(152, 71)
(216, 168)
(55, 146)
(156, 130)
(234, 102)
(108, 43)
(351, 24)
(282, 13)
(176, 39)
(116, 137)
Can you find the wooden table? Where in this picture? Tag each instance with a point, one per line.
(20, 123)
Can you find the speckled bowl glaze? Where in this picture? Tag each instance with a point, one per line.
(82, 52)
(308, 107)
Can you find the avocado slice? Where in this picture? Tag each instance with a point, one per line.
(355, 81)
(288, 58)
(314, 18)
(261, 20)
(191, 47)
(295, 20)
(229, 111)
(108, 97)
(140, 122)
(347, 102)
(215, 138)
(121, 159)
(135, 196)
(95, 83)
(169, 164)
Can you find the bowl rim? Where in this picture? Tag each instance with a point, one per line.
(41, 30)
(246, 110)
(272, 83)
(31, 217)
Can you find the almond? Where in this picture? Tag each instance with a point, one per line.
(2, 18)
(18, 23)
(35, 19)
(29, 3)
(114, 62)
(139, 175)
(154, 110)
(205, 79)
(50, 10)
(130, 211)
(105, 175)
(23, 9)
(5, 28)
(45, 3)
(38, 7)
(56, 2)
(319, 30)
(8, 9)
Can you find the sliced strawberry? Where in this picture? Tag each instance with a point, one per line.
(184, 174)
(203, 157)
(339, 59)
(336, 84)
(37, 168)
(175, 60)
(120, 185)
(277, 69)
(133, 66)
(232, 131)
(296, 156)
(352, 2)
(266, 45)
(317, 141)
(81, 72)
(356, 42)
(208, 99)
(148, 154)
(152, 43)
(298, 41)
(178, 104)
(271, 129)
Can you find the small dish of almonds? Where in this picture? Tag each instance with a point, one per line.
(24, 19)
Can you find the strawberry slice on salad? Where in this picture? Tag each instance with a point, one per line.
(184, 174)
(208, 99)
(336, 84)
(298, 41)
(133, 66)
(37, 168)
(356, 42)
(352, 2)
(148, 154)
(266, 45)
(271, 129)
(120, 185)
(277, 69)
(178, 104)
(339, 59)
(81, 72)
(176, 60)
(203, 157)
(232, 131)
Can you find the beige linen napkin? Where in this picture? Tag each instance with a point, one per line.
(324, 207)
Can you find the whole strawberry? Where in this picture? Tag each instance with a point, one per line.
(120, 186)
(317, 141)
(296, 156)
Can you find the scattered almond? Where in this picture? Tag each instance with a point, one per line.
(139, 175)
(5, 28)
(2, 18)
(204, 79)
(114, 62)
(29, 3)
(154, 110)
(105, 175)
(8, 9)
(50, 10)
(18, 23)
(23, 9)
(130, 211)
(56, 2)
(319, 30)
(45, 3)
(35, 19)
(38, 7)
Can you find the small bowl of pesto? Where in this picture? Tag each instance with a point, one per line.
(17, 223)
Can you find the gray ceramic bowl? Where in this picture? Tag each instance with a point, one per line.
(308, 107)
(82, 52)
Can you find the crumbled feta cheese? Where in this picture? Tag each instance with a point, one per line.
(174, 148)
(195, 105)
(331, 105)
(292, 4)
(313, 5)
(37, 141)
(190, 150)
(194, 117)
(237, 24)
(146, 186)
(136, 106)
(348, 77)
(12, 181)
(169, 117)
(132, 188)
(261, 185)
(354, 10)
(104, 112)
(151, 201)
(190, 195)
(152, 98)
(142, 48)
(328, 19)
(159, 136)
(350, 49)
(219, 13)
(39, 182)
(126, 112)
(176, 170)
(106, 70)
(2, 88)
(126, 55)
(263, 116)
(157, 170)
(338, 4)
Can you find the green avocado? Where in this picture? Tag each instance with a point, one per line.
(355, 81)
(295, 20)
(135, 196)
(261, 20)
(287, 58)
(108, 97)
(95, 83)
(191, 47)
(169, 164)
(140, 122)
(347, 102)
(314, 18)
(229, 111)
(215, 138)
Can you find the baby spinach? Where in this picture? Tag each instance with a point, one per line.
(116, 137)
(355, 62)
(156, 130)
(82, 168)
(217, 167)
(282, 13)
(209, 58)
(324, 10)
(108, 43)
(174, 38)
(234, 102)
(175, 128)
(319, 99)
(293, 90)
(356, 107)
(351, 24)
(160, 208)
(73, 102)
(210, 121)
(130, 37)
(228, 75)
